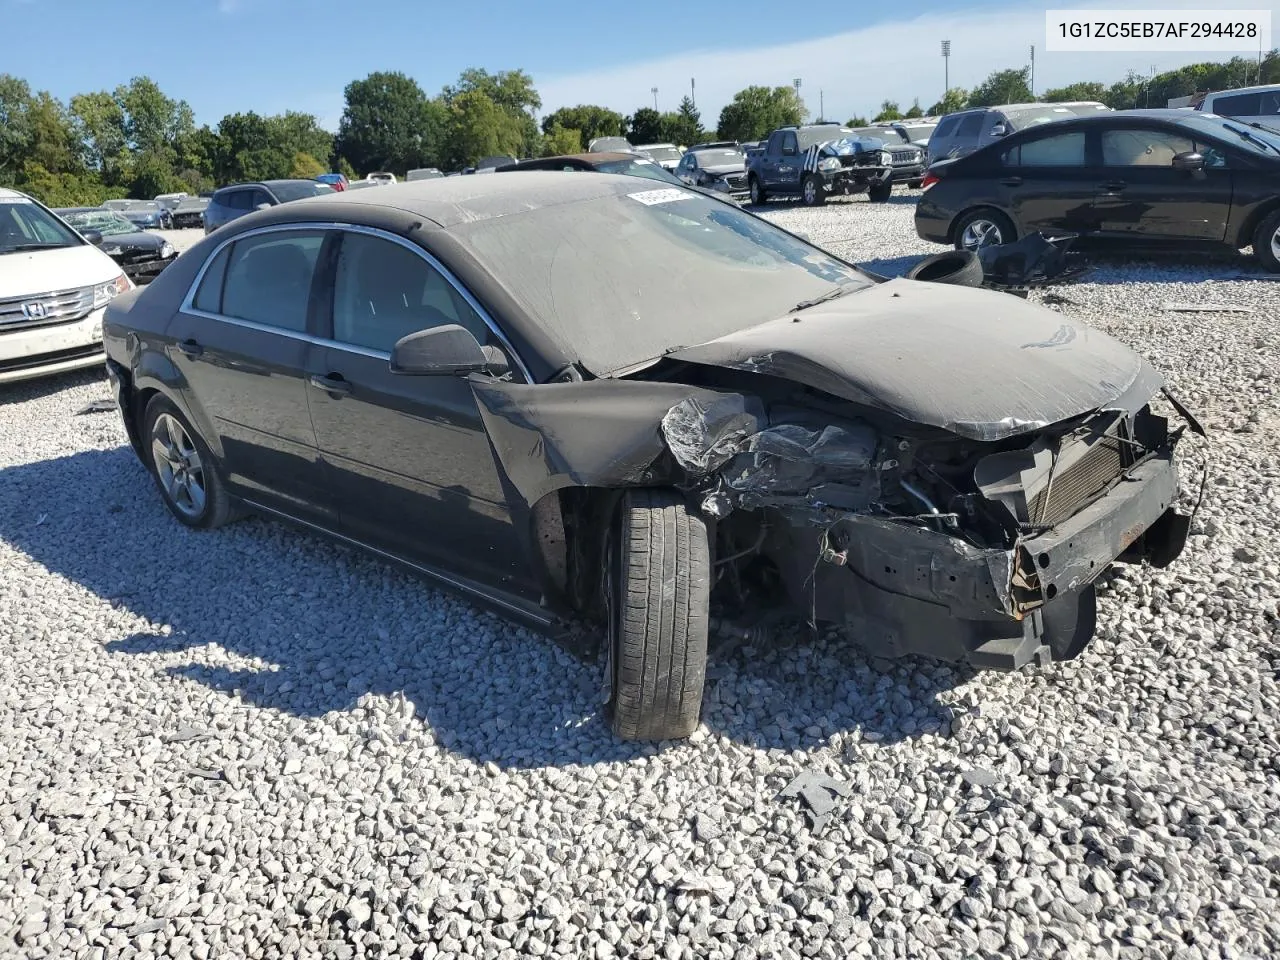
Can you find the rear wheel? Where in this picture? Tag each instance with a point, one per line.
(184, 468)
(757, 190)
(657, 594)
(1266, 242)
(813, 191)
(983, 228)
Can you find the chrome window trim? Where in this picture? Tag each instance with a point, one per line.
(188, 306)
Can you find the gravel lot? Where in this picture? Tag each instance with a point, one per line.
(254, 743)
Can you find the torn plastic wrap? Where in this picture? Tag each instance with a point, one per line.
(704, 434)
(1033, 261)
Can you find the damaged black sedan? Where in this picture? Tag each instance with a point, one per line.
(595, 400)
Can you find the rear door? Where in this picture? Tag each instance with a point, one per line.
(242, 343)
(411, 469)
(1047, 183)
(1141, 194)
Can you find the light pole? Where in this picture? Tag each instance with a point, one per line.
(654, 91)
(693, 97)
(1033, 71)
(822, 109)
(796, 83)
(946, 68)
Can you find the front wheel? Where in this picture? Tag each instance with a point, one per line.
(758, 195)
(813, 191)
(657, 597)
(880, 192)
(1266, 242)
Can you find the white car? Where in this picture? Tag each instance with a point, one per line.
(54, 287)
(381, 178)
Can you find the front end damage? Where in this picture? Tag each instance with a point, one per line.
(920, 542)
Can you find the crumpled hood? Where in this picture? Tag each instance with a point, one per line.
(978, 363)
(722, 168)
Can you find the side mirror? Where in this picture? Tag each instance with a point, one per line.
(1190, 161)
(999, 130)
(263, 206)
(93, 236)
(448, 350)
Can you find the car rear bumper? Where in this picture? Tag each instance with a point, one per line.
(932, 222)
(55, 348)
(906, 589)
(145, 271)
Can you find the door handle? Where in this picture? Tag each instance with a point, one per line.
(332, 383)
(1114, 185)
(191, 348)
(1012, 181)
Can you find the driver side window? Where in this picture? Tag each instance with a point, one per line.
(383, 291)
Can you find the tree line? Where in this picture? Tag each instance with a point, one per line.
(134, 141)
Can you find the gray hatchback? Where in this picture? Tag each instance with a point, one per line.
(235, 201)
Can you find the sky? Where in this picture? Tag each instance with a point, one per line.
(227, 56)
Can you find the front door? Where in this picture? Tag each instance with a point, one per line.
(412, 471)
(1142, 193)
(1046, 184)
(242, 346)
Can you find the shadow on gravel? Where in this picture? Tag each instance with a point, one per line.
(324, 625)
(25, 390)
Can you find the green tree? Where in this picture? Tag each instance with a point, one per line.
(1002, 86)
(684, 127)
(100, 124)
(346, 169)
(249, 149)
(306, 167)
(1085, 90)
(888, 111)
(15, 126)
(53, 139)
(558, 141)
(756, 111)
(152, 121)
(914, 111)
(513, 92)
(387, 124)
(480, 128)
(590, 121)
(645, 126)
(957, 98)
(301, 133)
(151, 174)
(857, 122)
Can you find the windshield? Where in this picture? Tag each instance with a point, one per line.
(663, 153)
(1262, 140)
(286, 192)
(610, 144)
(623, 279)
(25, 225)
(711, 158)
(1019, 119)
(144, 205)
(106, 222)
(878, 134)
(638, 168)
(917, 131)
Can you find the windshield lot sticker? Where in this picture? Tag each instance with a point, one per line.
(16, 200)
(669, 195)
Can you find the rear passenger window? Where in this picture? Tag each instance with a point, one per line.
(209, 297)
(235, 200)
(383, 291)
(1241, 105)
(268, 278)
(947, 127)
(1064, 150)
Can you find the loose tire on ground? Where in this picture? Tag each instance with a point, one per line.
(657, 598)
(960, 268)
(1266, 242)
(166, 433)
(880, 192)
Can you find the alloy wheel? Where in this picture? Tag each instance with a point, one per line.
(1275, 244)
(980, 233)
(810, 192)
(178, 466)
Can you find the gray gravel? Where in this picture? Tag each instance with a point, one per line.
(254, 743)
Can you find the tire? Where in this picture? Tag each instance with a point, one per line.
(915, 184)
(813, 191)
(1266, 242)
(985, 222)
(658, 568)
(756, 188)
(184, 468)
(961, 268)
(880, 192)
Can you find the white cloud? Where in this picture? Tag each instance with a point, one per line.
(856, 70)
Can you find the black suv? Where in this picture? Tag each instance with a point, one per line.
(815, 161)
(240, 199)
